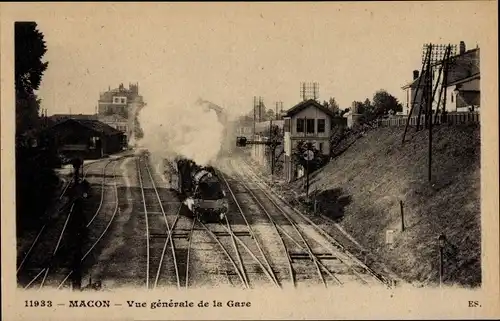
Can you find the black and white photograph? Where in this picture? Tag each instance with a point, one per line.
(256, 147)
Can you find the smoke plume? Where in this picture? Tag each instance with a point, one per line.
(191, 130)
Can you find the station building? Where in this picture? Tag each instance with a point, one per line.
(83, 138)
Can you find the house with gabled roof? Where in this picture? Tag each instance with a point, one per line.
(307, 121)
(462, 87)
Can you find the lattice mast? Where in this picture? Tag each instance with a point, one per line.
(434, 57)
(309, 90)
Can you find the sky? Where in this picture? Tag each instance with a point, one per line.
(228, 53)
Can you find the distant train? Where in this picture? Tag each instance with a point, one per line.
(201, 190)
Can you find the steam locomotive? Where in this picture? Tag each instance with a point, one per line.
(201, 190)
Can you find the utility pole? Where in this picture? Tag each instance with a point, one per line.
(402, 216)
(272, 148)
(261, 103)
(78, 225)
(429, 113)
(253, 136)
(442, 244)
(307, 158)
(78, 236)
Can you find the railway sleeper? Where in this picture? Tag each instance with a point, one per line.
(305, 256)
(236, 233)
(180, 235)
(151, 212)
(217, 271)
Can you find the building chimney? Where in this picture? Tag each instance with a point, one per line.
(462, 47)
(415, 74)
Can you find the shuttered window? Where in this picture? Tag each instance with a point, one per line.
(321, 125)
(310, 126)
(300, 125)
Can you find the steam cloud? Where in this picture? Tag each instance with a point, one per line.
(191, 130)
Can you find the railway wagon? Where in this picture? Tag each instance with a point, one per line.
(201, 190)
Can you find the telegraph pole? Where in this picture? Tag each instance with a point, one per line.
(261, 103)
(307, 158)
(254, 106)
(429, 113)
(77, 226)
(272, 148)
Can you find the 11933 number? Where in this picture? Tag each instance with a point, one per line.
(36, 303)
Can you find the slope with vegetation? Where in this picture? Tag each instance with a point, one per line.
(363, 186)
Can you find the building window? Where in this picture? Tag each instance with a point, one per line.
(451, 97)
(310, 126)
(119, 100)
(321, 125)
(300, 125)
(320, 147)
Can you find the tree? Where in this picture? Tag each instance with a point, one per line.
(270, 114)
(298, 156)
(35, 178)
(29, 49)
(383, 102)
(332, 105)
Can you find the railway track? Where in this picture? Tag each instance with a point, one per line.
(289, 257)
(44, 226)
(308, 251)
(251, 238)
(39, 274)
(382, 280)
(161, 256)
(204, 253)
(102, 209)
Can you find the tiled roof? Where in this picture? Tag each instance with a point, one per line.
(465, 80)
(305, 104)
(59, 117)
(92, 124)
(98, 126)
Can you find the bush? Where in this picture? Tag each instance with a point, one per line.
(36, 183)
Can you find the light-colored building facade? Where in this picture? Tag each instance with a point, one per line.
(413, 97)
(116, 121)
(124, 103)
(307, 121)
(464, 95)
(462, 87)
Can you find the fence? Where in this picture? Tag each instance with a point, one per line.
(450, 119)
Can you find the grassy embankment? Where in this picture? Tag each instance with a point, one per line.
(361, 190)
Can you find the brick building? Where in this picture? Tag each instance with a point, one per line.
(123, 105)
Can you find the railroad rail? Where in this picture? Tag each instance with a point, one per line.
(99, 238)
(349, 256)
(48, 262)
(44, 226)
(155, 246)
(302, 241)
(268, 270)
